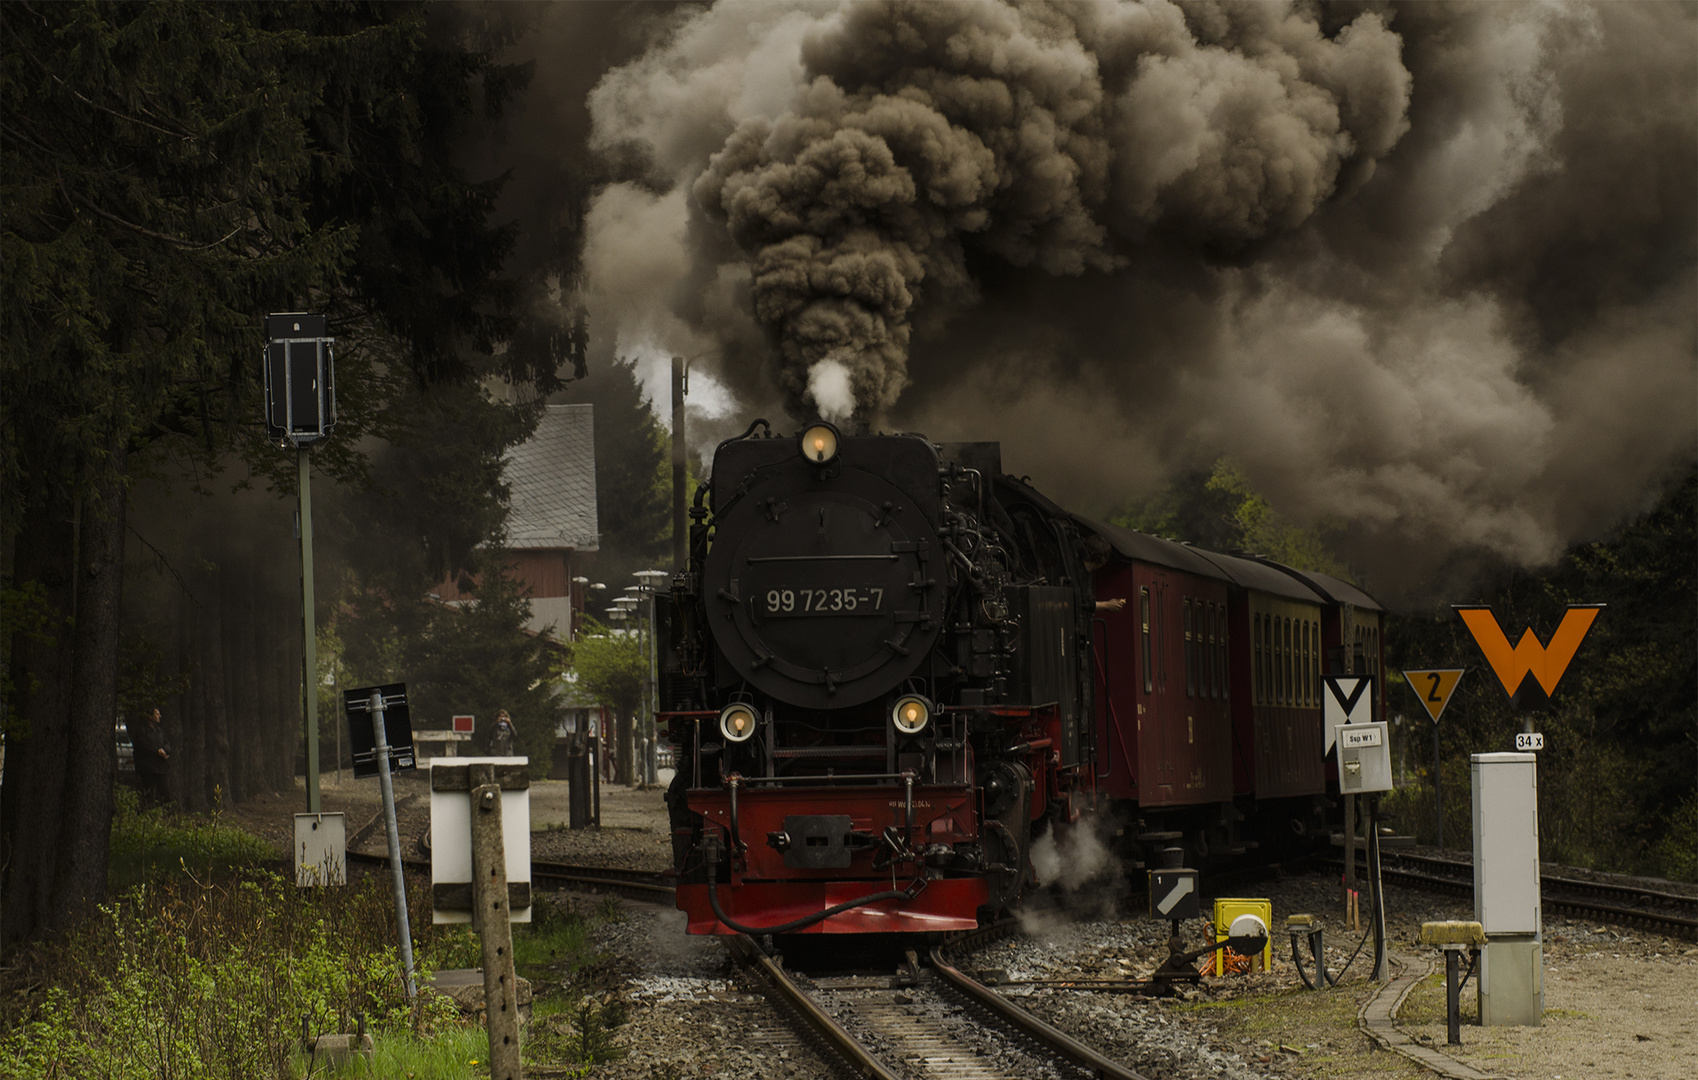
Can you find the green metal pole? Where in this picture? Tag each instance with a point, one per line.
(309, 633)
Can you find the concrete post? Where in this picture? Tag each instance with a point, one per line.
(491, 917)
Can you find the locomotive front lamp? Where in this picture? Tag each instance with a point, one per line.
(911, 714)
(819, 444)
(737, 722)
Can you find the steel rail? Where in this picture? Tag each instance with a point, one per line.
(641, 884)
(1673, 925)
(1043, 1033)
(1548, 883)
(853, 1054)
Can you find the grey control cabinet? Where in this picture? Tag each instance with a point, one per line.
(1506, 888)
(1364, 758)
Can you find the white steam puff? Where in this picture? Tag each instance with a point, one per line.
(830, 386)
(1427, 269)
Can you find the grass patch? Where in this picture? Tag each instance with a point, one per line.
(150, 844)
(452, 1054)
(556, 941)
(1320, 1024)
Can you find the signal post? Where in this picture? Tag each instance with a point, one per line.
(300, 409)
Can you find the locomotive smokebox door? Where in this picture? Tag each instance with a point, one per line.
(817, 841)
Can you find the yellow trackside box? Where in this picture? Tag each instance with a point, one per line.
(1228, 910)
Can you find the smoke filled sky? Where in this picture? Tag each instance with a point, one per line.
(1427, 269)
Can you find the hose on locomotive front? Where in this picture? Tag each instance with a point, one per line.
(807, 920)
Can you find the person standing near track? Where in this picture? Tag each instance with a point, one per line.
(501, 736)
(153, 760)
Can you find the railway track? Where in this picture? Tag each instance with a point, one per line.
(651, 886)
(1629, 905)
(930, 1021)
(927, 1021)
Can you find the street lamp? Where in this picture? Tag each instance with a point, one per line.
(646, 589)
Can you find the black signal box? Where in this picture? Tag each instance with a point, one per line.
(300, 378)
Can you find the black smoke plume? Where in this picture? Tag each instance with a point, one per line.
(1425, 269)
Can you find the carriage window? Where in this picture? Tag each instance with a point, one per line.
(1308, 662)
(1266, 639)
(1256, 659)
(1211, 686)
(1190, 654)
(1267, 661)
(1282, 631)
(1302, 661)
(1225, 672)
(1144, 616)
(1291, 662)
(1320, 687)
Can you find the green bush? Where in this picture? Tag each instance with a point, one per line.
(203, 975)
(1677, 851)
(183, 980)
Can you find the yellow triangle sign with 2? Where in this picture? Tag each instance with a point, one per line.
(1434, 688)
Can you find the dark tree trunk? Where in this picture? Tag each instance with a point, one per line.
(217, 779)
(194, 610)
(38, 739)
(86, 834)
(176, 711)
(273, 719)
(243, 661)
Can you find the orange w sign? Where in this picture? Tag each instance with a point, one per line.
(1546, 663)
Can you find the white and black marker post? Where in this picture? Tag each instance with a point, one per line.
(399, 877)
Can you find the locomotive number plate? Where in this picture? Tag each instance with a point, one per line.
(865, 600)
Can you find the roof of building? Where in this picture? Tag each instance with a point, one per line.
(552, 479)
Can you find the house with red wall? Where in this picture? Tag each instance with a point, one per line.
(552, 524)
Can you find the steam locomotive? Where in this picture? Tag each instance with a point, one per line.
(886, 675)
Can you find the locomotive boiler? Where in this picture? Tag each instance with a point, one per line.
(877, 677)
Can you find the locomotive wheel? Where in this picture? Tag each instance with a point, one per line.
(1001, 785)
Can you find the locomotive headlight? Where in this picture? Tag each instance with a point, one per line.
(737, 722)
(819, 444)
(911, 714)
